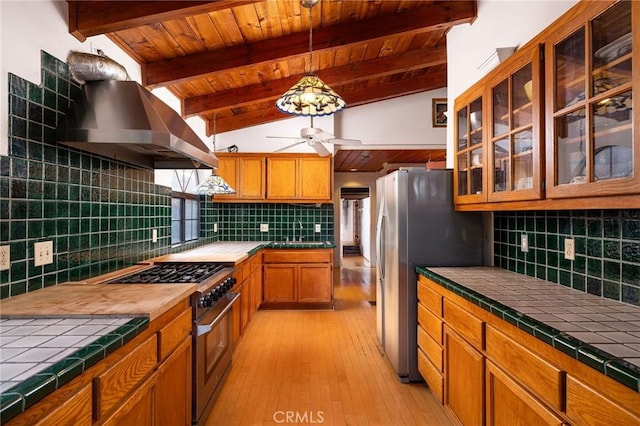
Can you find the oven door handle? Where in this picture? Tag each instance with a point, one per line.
(205, 328)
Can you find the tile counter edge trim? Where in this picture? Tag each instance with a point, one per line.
(22, 396)
(607, 364)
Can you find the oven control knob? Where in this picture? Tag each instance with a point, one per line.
(202, 302)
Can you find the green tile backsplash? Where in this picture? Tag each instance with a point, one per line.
(241, 221)
(99, 213)
(607, 249)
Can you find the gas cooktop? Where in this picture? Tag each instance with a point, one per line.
(171, 273)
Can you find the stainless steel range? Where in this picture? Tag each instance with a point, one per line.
(212, 341)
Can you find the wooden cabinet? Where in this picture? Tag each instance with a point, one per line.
(469, 179)
(430, 329)
(298, 278)
(515, 142)
(243, 172)
(174, 387)
(495, 373)
(138, 408)
(299, 177)
(276, 177)
(556, 125)
(463, 379)
(248, 285)
(593, 139)
(510, 404)
(74, 411)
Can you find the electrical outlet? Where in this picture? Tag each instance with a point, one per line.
(43, 253)
(264, 227)
(524, 243)
(154, 235)
(215, 227)
(317, 227)
(5, 258)
(569, 249)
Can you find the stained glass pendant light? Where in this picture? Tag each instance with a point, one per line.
(214, 184)
(310, 96)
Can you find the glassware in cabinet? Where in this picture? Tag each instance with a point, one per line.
(593, 148)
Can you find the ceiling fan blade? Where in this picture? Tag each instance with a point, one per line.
(324, 135)
(320, 149)
(283, 137)
(289, 146)
(337, 141)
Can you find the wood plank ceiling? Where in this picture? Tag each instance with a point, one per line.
(234, 58)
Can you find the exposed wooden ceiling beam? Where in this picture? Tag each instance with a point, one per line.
(90, 18)
(437, 16)
(373, 68)
(353, 97)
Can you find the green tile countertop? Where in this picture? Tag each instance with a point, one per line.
(602, 333)
(39, 355)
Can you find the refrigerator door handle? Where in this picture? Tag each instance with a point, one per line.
(380, 242)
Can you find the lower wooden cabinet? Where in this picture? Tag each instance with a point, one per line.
(510, 404)
(588, 406)
(138, 408)
(248, 285)
(463, 379)
(173, 388)
(75, 411)
(496, 374)
(298, 278)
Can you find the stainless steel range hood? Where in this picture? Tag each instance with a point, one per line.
(124, 121)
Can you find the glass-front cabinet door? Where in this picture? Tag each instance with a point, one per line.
(514, 156)
(469, 176)
(592, 73)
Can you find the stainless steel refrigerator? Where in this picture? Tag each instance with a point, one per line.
(416, 226)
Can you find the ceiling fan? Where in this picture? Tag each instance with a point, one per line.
(315, 137)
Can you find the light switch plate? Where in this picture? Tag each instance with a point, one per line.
(569, 249)
(524, 243)
(154, 236)
(5, 258)
(215, 227)
(317, 227)
(264, 227)
(42, 253)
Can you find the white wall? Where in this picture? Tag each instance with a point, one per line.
(499, 24)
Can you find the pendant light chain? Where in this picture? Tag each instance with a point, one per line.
(310, 41)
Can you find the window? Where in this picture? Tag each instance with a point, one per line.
(185, 217)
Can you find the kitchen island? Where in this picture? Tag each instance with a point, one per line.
(494, 344)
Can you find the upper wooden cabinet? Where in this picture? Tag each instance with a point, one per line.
(470, 180)
(245, 173)
(592, 73)
(556, 125)
(276, 177)
(515, 137)
(299, 177)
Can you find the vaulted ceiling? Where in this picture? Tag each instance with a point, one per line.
(233, 58)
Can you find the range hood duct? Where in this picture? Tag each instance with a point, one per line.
(124, 121)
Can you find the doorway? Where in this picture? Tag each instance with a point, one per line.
(355, 224)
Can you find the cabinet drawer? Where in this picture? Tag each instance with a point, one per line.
(298, 256)
(256, 261)
(112, 385)
(465, 324)
(586, 406)
(537, 375)
(431, 376)
(431, 324)
(75, 411)
(430, 347)
(429, 298)
(170, 336)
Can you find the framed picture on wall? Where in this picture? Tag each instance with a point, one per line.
(438, 111)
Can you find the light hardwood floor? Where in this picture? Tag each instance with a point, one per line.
(321, 367)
